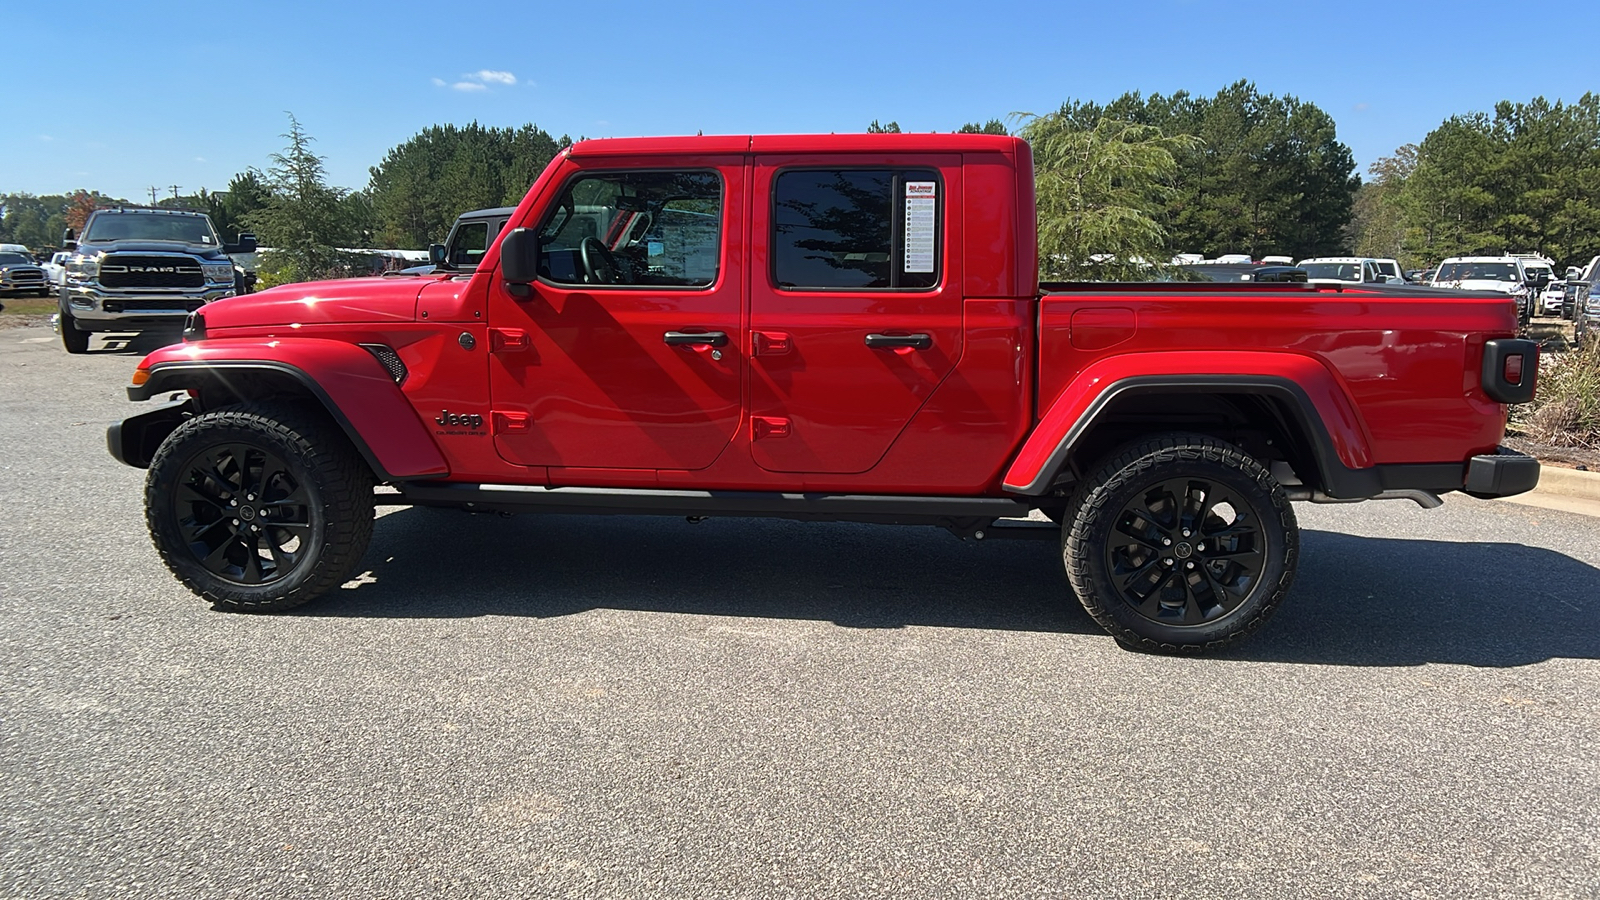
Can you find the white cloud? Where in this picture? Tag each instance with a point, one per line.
(46, 137)
(199, 159)
(1363, 107)
(481, 80)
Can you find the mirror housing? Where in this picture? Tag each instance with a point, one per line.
(519, 260)
(69, 244)
(436, 254)
(246, 244)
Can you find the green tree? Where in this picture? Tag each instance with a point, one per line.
(1525, 178)
(1101, 189)
(1268, 174)
(889, 128)
(993, 126)
(420, 187)
(304, 219)
(1377, 224)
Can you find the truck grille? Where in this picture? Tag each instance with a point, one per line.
(122, 271)
(174, 305)
(24, 276)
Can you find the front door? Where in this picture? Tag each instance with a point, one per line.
(855, 306)
(628, 352)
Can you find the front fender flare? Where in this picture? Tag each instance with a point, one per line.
(347, 380)
(1319, 403)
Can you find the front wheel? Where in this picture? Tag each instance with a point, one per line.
(259, 508)
(1182, 544)
(72, 339)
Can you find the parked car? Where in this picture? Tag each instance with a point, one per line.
(468, 241)
(1502, 274)
(138, 268)
(1552, 297)
(1390, 268)
(19, 274)
(55, 271)
(1349, 270)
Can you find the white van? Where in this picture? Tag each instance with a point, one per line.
(1348, 269)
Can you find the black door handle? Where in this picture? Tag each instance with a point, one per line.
(893, 341)
(707, 338)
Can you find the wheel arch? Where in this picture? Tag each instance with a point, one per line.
(1274, 409)
(352, 388)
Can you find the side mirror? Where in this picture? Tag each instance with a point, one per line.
(436, 254)
(69, 243)
(247, 244)
(519, 261)
(67, 236)
(1392, 279)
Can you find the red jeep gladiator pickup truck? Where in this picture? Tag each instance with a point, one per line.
(828, 327)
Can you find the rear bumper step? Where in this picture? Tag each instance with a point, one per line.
(1503, 474)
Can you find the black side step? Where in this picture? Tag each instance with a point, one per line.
(883, 509)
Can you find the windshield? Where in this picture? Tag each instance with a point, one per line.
(1477, 271)
(115, 226)
(14, 259)
(1345, 271)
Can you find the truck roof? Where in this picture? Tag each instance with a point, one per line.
(800, 143)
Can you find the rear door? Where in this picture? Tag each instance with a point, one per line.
(855, 304)
(627, 353)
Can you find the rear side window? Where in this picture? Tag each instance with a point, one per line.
(857, 229)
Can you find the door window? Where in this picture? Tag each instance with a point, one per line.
(635, 228)
(856, 229)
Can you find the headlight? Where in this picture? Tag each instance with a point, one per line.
(82, 268)
(219, 273)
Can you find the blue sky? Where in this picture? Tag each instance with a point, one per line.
(121, 96)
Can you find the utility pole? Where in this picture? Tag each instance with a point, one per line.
(174, 192)
(152, 195)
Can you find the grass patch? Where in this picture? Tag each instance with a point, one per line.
(1566, 409)
(28, 306)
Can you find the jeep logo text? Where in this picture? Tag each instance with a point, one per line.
(468, 420)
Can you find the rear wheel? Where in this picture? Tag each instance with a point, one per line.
(71, 338)
(1181, 544)
(259, 508)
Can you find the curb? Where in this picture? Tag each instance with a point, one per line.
(1568, 482)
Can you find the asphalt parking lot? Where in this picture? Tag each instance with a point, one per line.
(621, 707)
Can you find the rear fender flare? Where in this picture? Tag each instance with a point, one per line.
(1319, 403)
(347, 380)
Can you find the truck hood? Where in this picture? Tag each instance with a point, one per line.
(342, 301)
(203, 251)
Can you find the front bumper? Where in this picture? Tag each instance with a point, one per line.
(1503, 474)
(97, 309)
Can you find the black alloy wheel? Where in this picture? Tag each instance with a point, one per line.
(244, 517)
(259, 507)
(1181, 543)
(1185, 551)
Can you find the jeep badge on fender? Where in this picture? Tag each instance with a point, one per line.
(467, 420)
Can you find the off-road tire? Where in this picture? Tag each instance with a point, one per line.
(1123, 483)
(71, 338)
(316, 459)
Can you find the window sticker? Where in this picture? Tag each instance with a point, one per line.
(922, 200)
